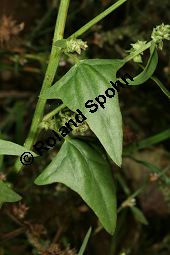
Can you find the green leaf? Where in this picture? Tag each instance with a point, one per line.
(7, 194)
(85, 81)
(88, 173)
(85, 241)
(139, 216)
(10, 148)
(148, 70)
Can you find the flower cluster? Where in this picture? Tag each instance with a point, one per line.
(75, 45)
(160, 33)
(82, 129)
(136, 47)
(71, 45)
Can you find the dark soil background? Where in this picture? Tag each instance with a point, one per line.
(54, 216)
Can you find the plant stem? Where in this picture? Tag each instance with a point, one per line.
(50, 72)
(54, 112)
(73, 57)
(97, 19)
(162, 87)
(49, 76)
(160, 84)
(146, 143)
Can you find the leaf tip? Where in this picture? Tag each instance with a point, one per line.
(38, 181)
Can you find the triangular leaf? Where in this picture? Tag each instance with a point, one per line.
(87, 172)
(85, 81)
(7, 194)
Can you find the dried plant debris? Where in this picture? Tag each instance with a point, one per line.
(9, 30)
(19, 210)
(55, 250)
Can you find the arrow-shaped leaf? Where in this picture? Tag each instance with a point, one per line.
(87, 172)
(85, 81)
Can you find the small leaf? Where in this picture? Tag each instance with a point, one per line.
(85, 81)
(88, 173)
(10, 148)
(7, 194)
(139, 216)
(148, 70)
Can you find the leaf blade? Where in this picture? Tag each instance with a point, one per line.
(85, 171)
(84, 82)
(139, 216)
(10, 148)
(7, 194)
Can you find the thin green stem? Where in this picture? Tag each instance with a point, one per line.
(101, 16)
(54, 112)
(73, 57)
(146, 143)
(159, 83)
(50, 73)
(49, 76)
(123, 184)
(162, 87)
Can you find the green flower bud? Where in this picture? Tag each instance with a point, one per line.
(135, 47)
(48, 124)
(160, 33)
(82, 130)
(75, 45)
